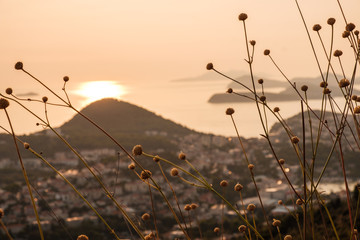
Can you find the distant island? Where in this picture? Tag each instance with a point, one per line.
(285, 92)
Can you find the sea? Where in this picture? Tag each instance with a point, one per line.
(186, 103)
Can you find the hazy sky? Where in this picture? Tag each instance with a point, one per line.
(139, 42)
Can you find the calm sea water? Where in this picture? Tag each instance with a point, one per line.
(184, 102)
(187, 103)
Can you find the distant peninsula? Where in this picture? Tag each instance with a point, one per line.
(283, 90)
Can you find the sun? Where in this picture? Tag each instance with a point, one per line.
(96, 90)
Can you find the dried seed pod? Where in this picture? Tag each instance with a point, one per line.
(209, 66)
(338, 53)
(137, 150)
(316, 27)
(251, 207)
(251, 166)
(238, 187)
(344, 83)
(145, 217)
(4, 103)
(304, 88)
(243, 16)
(145, 174)
(331, 21)
(9, 91)
(295, 139)
(174, 172)
(349, 27)
(82, 237)
(182, 156)
(230, 111)
(223, 183)
(19, 66)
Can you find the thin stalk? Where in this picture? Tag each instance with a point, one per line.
(153, 210)
(5, 229)
(75, 190)
(25, 176)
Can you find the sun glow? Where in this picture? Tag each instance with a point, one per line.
(97, 90)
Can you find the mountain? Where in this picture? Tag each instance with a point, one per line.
(128, 123)
(287, 93)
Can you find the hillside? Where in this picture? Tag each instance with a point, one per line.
(127, 123)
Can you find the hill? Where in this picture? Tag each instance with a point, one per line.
(127, 123)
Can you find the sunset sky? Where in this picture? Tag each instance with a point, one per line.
(139, 43)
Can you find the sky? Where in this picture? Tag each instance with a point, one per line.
(140, 43)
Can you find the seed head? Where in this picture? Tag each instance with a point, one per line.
(323, 84)
(338, 53)
(19, 66)
(182, 156)
(242, 228)
(262, 98)
(260, 81)
(4, 103)
(137, 150)
(230, 111)
(345, 34)
(209, 66)
(243, 16)
(131, 166)
(238, 187)
(145, 174)
(187, 207)
(251, 166)
(1, 213)
(344, 83)
(357, 110)
(266, 52)
(295, 139)
(230, 90)
(299, 201)
(145, 217)
(216, 230)
(349, 27)
(326, 91)
(223, 183)
(304, 88)
(252, 42)
(44, 99)
(288, 237)
(281, 161)
(316, 27)
(9, 91)
(331, 21)
(280, 202)
(26, 145)
(353, 97)
(174, 172)
(82, 237)
(66, 78)
(251, 207)
(356, 32)
(276, 223)
(357, 99)
(276, 109)
(194, 206)
(156, 158)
